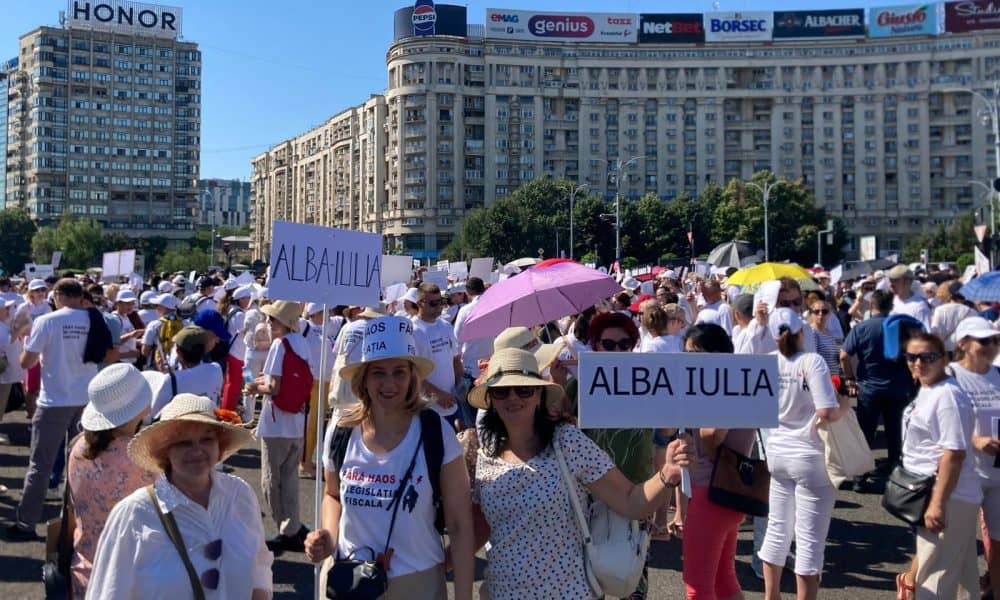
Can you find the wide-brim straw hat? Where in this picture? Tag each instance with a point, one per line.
(514, 367)
(117, 394)
(285, 311)
(523, 338)
(388, 338)
(146, 446)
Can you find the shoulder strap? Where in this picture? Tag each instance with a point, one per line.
(571, 490)
(170, 525)
(430, 425)
(305, 332)
(397, 497)
(338, 446)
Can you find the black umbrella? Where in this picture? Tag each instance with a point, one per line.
(730, 254)
(866, 267)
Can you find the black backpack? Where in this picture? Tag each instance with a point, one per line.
(430, 430)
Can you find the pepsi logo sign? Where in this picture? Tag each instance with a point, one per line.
(424, 17)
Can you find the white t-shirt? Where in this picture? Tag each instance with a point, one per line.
(33, 310)
(17, 298)
(805, 387)
(147, 315)
(945, 320)
(436, 341)
(472, 350)
(346, 351)
(60, 337)
(717, 312)
(984, 393)
(238, 345)
(202, 302)
(367, 483)
(939, 419)
(663, 343)
(279, 423)
(12, 350)
(313, 335)
(130, 345)
(204, 379)
(915, 306)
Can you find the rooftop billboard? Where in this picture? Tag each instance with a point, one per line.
(810, 24)
(671, 28)
(971, 15)
(747, 26)
(561, 26)
(909, 19)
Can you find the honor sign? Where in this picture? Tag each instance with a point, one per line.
(124, 16)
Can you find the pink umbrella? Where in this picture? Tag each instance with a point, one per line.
(550, 290)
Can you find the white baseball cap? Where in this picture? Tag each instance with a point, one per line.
(167, 301)
(245, 291)
(313, 308)
(784, 319)
(9, 303)
(36, 284)
(147, 297)
(165, 287)
(975, 327)
(125, 296)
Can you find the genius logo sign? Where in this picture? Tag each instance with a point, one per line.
(571, 26)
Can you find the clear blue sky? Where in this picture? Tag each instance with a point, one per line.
(273, 69)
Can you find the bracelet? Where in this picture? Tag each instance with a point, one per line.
(666, 483)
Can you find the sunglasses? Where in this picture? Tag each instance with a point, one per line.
(434, 303)
(623, 344)
(790, 303)
(521, 391)
(821, 311)
(210, 578)
(989, 341)
(927, 357)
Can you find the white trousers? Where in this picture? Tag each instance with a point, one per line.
(801, 504)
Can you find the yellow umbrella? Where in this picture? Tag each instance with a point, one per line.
(768, 271)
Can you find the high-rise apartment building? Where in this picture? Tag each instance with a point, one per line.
(104, 120)
(872, 118)
(6, 68)
(223, 202)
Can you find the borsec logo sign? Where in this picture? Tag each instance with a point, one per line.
(424, 17)
(571, 26)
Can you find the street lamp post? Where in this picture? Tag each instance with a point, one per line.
(765, 191)
(619, 167)
(572, 198)
(989, 194)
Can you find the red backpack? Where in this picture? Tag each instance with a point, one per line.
(296, 382)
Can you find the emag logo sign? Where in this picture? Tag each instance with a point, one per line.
(674, 28)
(971, 15)
(808, 24)
(755, 26)
(565, 27)
(906, 20)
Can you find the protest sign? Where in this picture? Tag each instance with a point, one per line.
(458, 271)
(56, 259)
(396, 269)
(115, 264)
(767, 292)
(836, 274)
(330, 266)
(982, 261)
(644, 390)
(394, 292)
(439, 278)
(481, 268)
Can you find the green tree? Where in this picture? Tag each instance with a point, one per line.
(182, 258)
(80, 240)
(943, 244)
(18, 230)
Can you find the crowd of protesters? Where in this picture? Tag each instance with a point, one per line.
(137, 392)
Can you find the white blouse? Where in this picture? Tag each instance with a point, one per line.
(136, 559)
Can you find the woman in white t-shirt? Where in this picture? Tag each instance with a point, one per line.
(663, 323)
(937, 433)
(801, 497)
(10, 356)
(975, 349)
(386, 441)
(520, 497)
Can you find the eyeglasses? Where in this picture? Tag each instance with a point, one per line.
(987, 341)
(434, 303)
(821, 311)
(210, 578)
(623, 344)
(521, 391)
(927, 357)
(797, 303)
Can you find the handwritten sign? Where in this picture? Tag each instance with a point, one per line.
(644, 390)
(325, 265)
(458, 271)
(481, 268)
(396, 269)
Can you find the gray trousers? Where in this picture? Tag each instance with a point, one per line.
(279, 478)
(4, 397)
(49, 427)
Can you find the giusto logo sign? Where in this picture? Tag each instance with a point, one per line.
(738, 26)
(424, 17)
(671, 28)
(569, 27)
(971, 15)
(894, 21)
(791, 25)
(124, 16)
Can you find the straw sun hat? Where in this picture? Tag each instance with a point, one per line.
(149, 444)
(285, 311)
(388, 338)
(514, 367)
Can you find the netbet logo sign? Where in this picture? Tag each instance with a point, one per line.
(561, 26)
(669, 28)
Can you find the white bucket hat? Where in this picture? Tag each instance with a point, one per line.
(117, 394)
(387, 338)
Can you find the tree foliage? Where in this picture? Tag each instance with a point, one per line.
(943, 244)
(18, 230)
(80, 241)
(183, 258)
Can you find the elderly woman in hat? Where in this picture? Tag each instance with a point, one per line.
(186, 532)
(100, 472)
(379, 478)
(519, 496)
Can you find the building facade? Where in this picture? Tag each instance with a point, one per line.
(104, 121)
(877, 127)
(6, 68)
(223, 202)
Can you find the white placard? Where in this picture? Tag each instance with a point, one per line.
(458, 271)
(767, 292)
(126, 262)
(56, 259)
(396, 269)
(244, 278)
(633, 389)
(115, 264)
(970, 272)
(646, 288)
(442, 265)
(867, 245)
(481, 268)
(836, 274)
(109, 264)
(394, 292)
(439, 278)
(36, 271)
(982, 262)
(330, 266)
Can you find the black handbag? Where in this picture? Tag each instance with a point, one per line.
(59, 548)
(739, 482)
(907, 494)
(354, 579)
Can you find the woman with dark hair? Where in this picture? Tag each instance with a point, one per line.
(710, 552)
(937, 436)
(802, 496)
(521, 500)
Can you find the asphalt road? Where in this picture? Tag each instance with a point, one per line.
(865, 548)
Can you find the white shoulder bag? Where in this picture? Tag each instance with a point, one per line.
(614, 547)
(847, 452)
